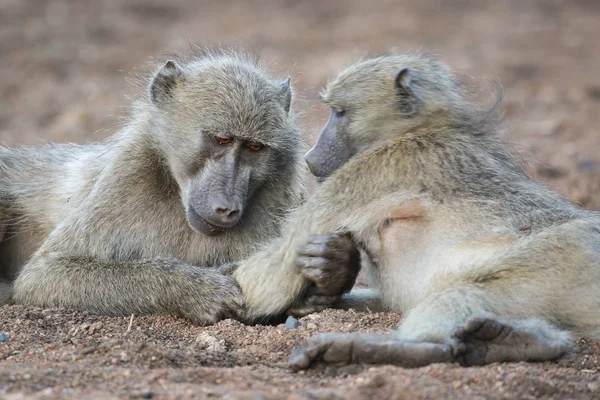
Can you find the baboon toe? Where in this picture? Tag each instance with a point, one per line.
(486, 341)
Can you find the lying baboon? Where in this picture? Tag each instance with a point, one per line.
(486, 264)
(203, 173)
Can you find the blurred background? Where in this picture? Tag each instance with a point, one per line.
(65, 65)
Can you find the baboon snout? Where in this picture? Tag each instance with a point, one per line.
(312, 161)
(215, 215)
(226, 210)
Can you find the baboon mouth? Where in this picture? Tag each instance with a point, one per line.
(201, 225)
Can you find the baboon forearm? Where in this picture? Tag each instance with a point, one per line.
(110, 287)
(269, 279)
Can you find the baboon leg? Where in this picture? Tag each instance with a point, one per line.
(490, 340)
(344, 349)
(443, 328)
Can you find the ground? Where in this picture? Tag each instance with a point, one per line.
(67, 68)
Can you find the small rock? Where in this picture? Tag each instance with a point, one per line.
(148, 394)
(593, 92)
(292, 323)
(206, 341)
(588, 165)
(88, 350)
(4, 338)
(550, 172)
(94, 327)
(378, 381)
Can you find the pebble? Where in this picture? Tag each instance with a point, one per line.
(292, 323)
(588, 165)
(4, 338)
(206, 341)
(88, 350)
(148, 394)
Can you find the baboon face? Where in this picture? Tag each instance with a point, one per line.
(224, 127)
(363, 111)
(378, 99)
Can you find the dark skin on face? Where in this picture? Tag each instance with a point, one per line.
(219, 194)
(333, 149)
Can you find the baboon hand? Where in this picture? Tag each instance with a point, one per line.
(343, 349)
(331, 263)
(213, 298)
(312, 302)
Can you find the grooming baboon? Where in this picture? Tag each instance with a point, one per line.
(485, 264)
(204, 173)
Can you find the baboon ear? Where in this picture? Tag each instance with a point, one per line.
(165, 80)
(407, 100)
(285, 94)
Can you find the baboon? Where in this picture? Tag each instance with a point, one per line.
(485, 264)
(202, 175)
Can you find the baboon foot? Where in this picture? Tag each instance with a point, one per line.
(488, 340)
(341, 349)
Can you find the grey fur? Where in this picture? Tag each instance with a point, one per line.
(103, 227)
(460, 236)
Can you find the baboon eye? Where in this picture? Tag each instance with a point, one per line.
(255, 146)
(223, 141)
(339, 112)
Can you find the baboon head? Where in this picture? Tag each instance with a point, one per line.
(224, 128)
(378, 99)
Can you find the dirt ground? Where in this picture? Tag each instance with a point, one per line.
(65, 71)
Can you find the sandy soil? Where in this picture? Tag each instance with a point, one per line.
(65, 72)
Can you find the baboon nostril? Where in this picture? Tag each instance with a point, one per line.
(226, 212)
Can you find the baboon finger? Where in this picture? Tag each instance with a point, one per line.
(306, 264)
(337, 240)
(314, 250)
(313, 274)
(305, 309)
(312, 351)
(486, 329)
(323, 300)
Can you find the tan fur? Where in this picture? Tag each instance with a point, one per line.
(103, 226)
(481, 238)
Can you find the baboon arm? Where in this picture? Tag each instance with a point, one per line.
(269, 279)
(110, 287)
